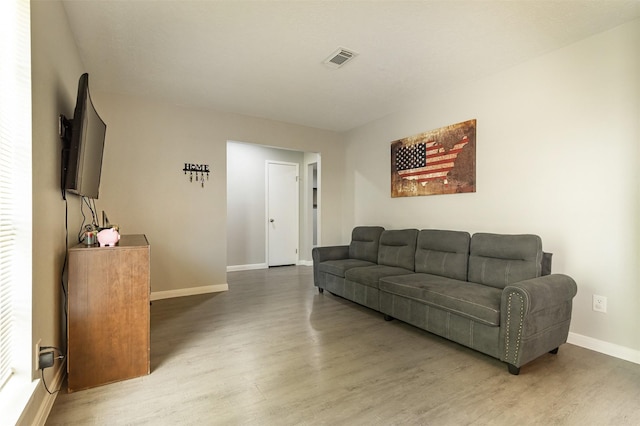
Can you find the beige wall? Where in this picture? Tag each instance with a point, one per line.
(56, 68)
(557, 155)
(144, 190)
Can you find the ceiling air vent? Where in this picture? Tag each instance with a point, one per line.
(339, 58)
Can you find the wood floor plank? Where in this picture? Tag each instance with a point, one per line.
(273, 351)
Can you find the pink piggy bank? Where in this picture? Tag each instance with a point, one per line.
(108, 237)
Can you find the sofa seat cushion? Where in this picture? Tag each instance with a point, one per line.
(477, 302)
(370, 275)
(340, 266)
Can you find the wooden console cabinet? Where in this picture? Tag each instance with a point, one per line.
(108, 313)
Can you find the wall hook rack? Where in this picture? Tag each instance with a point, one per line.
(198, 171)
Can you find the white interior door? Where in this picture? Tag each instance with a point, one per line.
(282, 213)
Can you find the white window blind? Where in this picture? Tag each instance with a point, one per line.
(15, 188)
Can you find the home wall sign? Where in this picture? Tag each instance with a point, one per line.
(441, 161)
(196, 171)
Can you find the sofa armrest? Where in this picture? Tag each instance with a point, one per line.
(320, 254)
(542, 292)
(535, 316)
(546, 263)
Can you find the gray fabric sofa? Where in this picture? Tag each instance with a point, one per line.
(493, 293)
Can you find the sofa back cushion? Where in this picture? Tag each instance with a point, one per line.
(500, 260)
(443, 253)
(364, 243)
(398, 248)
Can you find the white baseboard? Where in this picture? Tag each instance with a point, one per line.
(234, 268)
(606, 348)
(168, 294)
(46, 403)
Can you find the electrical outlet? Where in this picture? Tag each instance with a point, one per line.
(37, 354)
(599, 303)
(46, 359)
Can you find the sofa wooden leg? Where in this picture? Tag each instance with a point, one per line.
(320, 290)
(388, 317)
(554, 351)
(513, 369)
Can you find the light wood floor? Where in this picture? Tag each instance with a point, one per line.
(272, 351)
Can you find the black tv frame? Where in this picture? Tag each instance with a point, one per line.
(83, 146)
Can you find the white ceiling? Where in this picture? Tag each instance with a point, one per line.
(264, 58)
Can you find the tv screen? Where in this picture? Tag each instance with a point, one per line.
(84, 136)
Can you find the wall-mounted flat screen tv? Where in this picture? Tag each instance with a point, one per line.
(83, 137)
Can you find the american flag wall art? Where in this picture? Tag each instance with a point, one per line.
(441, 161)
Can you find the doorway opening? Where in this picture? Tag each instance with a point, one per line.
(312, 188)
(247, 217)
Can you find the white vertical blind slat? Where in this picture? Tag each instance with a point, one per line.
(15, 174)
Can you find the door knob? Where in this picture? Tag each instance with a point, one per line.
(271, 220)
